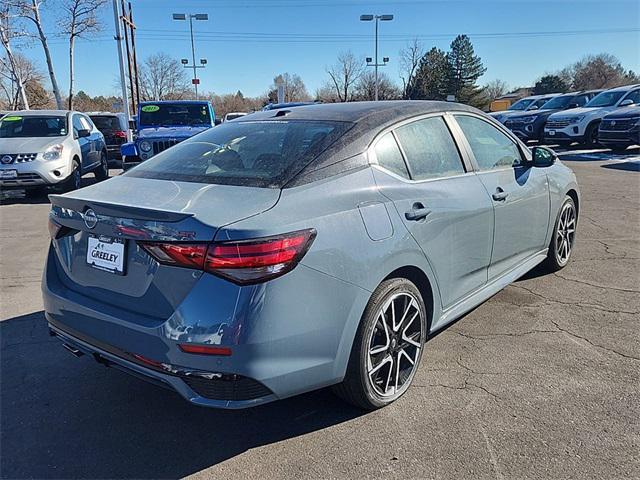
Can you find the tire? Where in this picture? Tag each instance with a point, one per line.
(591, 136)
(564, 235)
(102, 171)
(73, 181)
(619, 148)
(372, 380)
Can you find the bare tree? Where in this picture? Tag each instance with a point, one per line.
(365, 88)
(344, 74)
(79, 19)
(163, 78)
(410, 57)
(294, 88)
(32, 79)
(494, 89)
(30, 10)
(6, 34)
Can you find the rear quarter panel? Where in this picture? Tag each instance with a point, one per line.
(561, 180)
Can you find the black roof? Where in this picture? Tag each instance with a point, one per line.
(373, 112)
(368, 119)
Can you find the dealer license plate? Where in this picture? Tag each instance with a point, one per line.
(6, 174)
(105, 253)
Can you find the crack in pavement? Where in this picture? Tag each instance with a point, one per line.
(596, 285)
(594, 306)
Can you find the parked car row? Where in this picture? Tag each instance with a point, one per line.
(587, 117)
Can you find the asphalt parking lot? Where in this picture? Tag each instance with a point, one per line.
(541, 381)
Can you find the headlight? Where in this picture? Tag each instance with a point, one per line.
(145, 146)
(54, 152)
(529, 119)
(573, 120)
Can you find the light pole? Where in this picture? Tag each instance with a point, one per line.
(197, 16)
(369, 18)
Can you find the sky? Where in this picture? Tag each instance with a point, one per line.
(248, 42)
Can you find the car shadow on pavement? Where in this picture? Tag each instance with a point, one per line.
(66, 417)
(626, 166)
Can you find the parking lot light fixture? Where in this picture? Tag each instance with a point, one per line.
(196, 16)
(377, 18)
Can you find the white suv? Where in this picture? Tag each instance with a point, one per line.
(581, 124)
(40, 148)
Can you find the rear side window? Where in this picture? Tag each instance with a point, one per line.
(491, 148)
(429, 149)
(258, 153)
(388, 155)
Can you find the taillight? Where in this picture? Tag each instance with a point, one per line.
(54, 229)
(243, 261)
(204, 349)
(120, 134)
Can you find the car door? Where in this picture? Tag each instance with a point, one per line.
(520, 194)
(95, 140)
(83, 142)
(440, 200)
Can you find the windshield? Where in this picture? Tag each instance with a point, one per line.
(605, 99)
(258, 154)
(558, 102)
(521, 104)
(13, 126)
(177, 114)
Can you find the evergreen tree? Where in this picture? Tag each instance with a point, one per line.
(431, 77)
(464, 70)
(550, 84)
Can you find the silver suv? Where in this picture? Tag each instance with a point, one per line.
(40, 148)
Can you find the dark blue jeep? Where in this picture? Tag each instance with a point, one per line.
(161, 125)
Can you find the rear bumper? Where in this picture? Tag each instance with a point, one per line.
(287, 336)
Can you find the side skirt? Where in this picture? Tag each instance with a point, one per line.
(466, 305)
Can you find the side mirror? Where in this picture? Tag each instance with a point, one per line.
(626, 102)
(573, 105)
(84, 133)
(543, 157)
(534, 107)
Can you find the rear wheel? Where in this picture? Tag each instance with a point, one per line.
(564, 235)
(102, 172)
(388, 346)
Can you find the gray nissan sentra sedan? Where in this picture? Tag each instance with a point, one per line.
(291, 250)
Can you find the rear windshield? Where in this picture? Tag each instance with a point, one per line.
(257, 154)
(178, 114)
(13, 126)
(106, 122)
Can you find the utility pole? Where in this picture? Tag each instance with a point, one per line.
(5, 38)
(129, 38)
(203, 61)
(384, 18)
(123, 80)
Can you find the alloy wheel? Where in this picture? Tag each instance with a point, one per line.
(565, 233)
(394, 345)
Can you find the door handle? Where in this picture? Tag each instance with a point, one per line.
(500, 195)
(417, 212)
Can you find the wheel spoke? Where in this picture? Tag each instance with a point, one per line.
(386, 385)
(382, 348)
(410, 339)
(406, 355)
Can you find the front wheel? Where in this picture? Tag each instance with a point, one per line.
(388, 346)
(591, 136)
(73, 181)
(564, 236)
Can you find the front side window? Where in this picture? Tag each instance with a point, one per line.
(491, 148)
(634, 96)
(429, 149)
(13, 126)
(174, 114)
(250, 153)
(388, 155)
